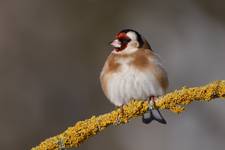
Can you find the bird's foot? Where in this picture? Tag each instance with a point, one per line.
(119, 116)
(151, 102)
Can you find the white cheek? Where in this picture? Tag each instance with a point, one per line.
(131, 47)
(133, 44)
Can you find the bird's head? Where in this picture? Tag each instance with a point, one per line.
(127, 41)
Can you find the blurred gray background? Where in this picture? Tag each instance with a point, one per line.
(51, 54)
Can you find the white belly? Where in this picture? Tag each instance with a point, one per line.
(131, 83)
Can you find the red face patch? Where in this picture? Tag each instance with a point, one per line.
(121, 35)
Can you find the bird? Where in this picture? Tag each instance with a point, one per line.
(134, 71)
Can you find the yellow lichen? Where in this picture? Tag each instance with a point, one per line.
(173, 101)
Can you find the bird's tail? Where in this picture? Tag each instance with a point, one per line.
(153, 114)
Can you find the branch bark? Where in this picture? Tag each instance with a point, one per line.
(174, 101)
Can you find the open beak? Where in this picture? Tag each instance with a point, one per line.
(116, 43)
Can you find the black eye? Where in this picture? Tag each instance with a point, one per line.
(124, 40)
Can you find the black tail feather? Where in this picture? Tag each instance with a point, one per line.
(154, 115)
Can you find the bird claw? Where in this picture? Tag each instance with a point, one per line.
(151, 102)
(119, 116)
(118, 121)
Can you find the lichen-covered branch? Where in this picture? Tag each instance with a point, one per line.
(174, 101)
